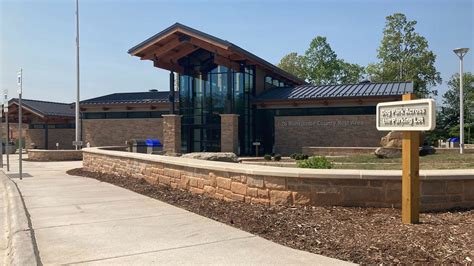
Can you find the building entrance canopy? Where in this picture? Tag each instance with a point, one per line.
(168, 47)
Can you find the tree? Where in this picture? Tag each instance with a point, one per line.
(293, 63)
(405, 56)
(448, 117)
(349, 73)
(320, 65)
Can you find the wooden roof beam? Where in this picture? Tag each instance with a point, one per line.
(182, 52)
(165, 48)
(169, 66)
(209, 47)
(220, 60)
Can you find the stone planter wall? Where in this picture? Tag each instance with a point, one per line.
(54, 155)
(275, 185)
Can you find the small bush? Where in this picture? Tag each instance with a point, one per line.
(315, 162)
(293, 156)
(277, 157)
(299, 156)
(267, 157)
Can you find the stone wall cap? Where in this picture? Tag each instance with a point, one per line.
(340, 148)
(456, 174)
(52, 151)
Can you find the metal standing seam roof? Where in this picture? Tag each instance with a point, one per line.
(132, 98)
(46, 108)
(368, 89)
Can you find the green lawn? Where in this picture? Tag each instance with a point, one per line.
(435, 161)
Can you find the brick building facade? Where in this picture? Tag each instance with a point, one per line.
(229, 98)
(45, 124)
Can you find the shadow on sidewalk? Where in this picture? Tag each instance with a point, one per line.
(18, 175)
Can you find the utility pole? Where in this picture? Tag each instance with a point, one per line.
(77, 142)
(8, 130)
(20, 123)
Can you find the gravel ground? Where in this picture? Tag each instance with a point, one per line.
(360, 235)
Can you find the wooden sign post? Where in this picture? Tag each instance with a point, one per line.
(410, 174)
(410, 116)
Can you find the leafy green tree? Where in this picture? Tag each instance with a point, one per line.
(349, 73)
(404, 56)
(320, 65)
(293, 63)
(448, 117)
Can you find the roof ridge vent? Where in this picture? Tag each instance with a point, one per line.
(153, 90)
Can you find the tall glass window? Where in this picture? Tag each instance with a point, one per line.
(204, 96)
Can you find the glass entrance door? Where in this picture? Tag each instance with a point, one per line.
(204, 96)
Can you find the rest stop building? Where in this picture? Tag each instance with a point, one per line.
(224, 98)
(229, 97)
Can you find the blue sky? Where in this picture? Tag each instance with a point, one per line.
(39, 36)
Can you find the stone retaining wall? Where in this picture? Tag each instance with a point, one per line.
(54, 155)
(274, 185)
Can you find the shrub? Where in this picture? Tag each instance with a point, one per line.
(293, 155)
(315, 162)
(277, 157)
(299, 156)
(267, 157)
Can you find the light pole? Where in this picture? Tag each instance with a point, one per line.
(20, 120)
(461, 52)
(77, 142)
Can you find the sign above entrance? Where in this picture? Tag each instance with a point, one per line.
(413, 115)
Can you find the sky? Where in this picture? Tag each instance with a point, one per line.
(39, 37)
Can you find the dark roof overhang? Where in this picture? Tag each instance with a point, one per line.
(131, 98)
(43, 109)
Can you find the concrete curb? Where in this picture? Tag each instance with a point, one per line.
(20, 246)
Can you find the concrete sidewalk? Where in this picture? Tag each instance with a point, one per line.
(78, 220)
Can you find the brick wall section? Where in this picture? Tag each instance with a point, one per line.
(63, 136)
(172, 133)
(113, 132)
(229, 132)
(294, 132)
(54, 155)
(35, 136)
(267, 189)
(13, 130)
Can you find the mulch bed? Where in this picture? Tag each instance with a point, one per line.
(360, 235)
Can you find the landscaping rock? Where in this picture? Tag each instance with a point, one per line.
(383, 152)
(213, 156)
(427, 150)
(392, 140)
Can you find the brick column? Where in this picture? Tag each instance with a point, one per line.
(229, 133)
(172, 133)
